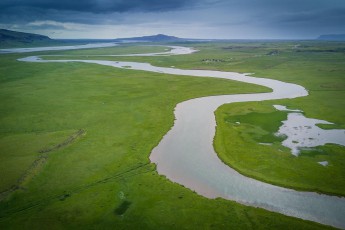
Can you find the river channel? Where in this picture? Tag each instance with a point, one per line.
(186, 155)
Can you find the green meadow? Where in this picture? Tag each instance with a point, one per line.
(75, 138)
(320, 68)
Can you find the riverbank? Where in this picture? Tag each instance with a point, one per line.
(320, 71)
(101, 100)
(274, 163)
(190, 141)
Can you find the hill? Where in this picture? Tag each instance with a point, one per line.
(14, 38)
(332, 37)
(152, 38)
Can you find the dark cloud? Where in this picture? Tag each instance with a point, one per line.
(28, 14)
(296, 17)
(222, 18)
(83, 11)
(318, 18)
(98, 6)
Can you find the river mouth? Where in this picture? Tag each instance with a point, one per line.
(186, 156)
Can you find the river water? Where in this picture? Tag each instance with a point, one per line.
(186, 156)
(54, 48)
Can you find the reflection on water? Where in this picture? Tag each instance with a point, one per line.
(302, 132)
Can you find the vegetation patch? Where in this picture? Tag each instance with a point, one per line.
(258, 126)
(243, 146)
(37, 164)
(123, 207)
(66, 142)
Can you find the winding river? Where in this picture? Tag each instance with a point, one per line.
(186, 156)
(54, 48)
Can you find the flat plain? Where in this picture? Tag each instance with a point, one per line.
(75, 138)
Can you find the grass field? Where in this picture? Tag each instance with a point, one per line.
(320, 68)
(102, 179)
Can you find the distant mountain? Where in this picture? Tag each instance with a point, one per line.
(9, 38)
(153, 38)
(8, 35)
(332, 37)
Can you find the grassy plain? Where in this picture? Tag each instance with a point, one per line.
(103, 179)
(320, 68)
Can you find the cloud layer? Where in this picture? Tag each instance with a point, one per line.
(187, 18)
(97, 6)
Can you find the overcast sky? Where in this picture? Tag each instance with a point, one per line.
(229, 19)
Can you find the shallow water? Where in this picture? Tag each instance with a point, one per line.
(174, 50)
(186, 155)
(283, 108)
(302, 132)
(323, 163)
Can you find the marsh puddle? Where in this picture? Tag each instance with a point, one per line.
(303, 132)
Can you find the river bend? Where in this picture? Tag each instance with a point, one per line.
(186, 155)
